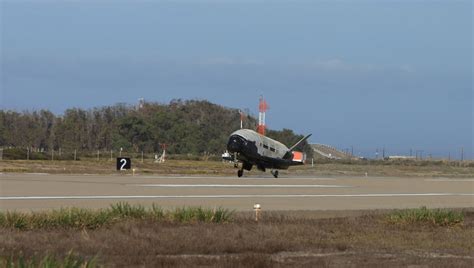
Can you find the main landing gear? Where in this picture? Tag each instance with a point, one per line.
(274, 173)
(240, 173)
(245, 166)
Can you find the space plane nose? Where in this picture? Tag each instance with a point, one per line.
(234, 144)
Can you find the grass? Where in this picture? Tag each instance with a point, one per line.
(280, 239)
(216, 215)
(80, 218)
(423, 215)
(50, 261)
(189, 167)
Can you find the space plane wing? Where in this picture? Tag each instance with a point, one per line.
(299, 142)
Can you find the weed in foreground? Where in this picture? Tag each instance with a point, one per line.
(199, 214)
(125, 210)
(50, 261)
(80, 218)
(423, 215)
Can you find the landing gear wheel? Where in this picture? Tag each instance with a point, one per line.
(236, 162)
(240, 172)
(275, 173)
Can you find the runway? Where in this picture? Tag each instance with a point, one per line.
(44, 191)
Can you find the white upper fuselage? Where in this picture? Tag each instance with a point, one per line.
(266, 146)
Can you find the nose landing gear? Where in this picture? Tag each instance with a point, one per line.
(274, 173)
(236, 162)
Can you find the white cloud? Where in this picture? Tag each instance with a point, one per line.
(407, 68)
(341, 65)
(230, 61)
(333, 65)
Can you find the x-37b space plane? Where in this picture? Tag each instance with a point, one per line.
(252, 148)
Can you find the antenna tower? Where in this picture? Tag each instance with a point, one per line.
(242, 117)
(262, 107)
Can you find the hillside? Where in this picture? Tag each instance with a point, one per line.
(187, 127)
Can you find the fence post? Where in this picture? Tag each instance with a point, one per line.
(75, 154)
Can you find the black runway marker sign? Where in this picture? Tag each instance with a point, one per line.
(124, 163)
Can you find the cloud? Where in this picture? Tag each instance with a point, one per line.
(333, 65)
(407, 68)
(230, 61)
(340, 65)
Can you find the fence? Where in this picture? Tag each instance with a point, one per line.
(14, 153)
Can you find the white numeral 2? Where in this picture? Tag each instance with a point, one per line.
(124, 162)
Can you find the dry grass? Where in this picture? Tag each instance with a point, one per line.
(91, 166)
(92, 219)
(279, 239)
(390, 169)
(210, 168)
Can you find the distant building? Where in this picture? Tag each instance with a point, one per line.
(395, 157)
(141, 102)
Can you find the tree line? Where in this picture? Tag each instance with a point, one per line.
(186, 127)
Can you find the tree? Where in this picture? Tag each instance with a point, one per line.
(191, 126)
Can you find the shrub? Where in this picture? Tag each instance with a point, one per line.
(192, 214)
(93, 219)
(69, 261)
(125, 210)
(14, 154)
(423, 215)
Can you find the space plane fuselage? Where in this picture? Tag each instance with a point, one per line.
(254, 149)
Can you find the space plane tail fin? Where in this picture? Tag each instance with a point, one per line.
(299, 142)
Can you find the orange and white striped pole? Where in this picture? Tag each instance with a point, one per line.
(262, 107)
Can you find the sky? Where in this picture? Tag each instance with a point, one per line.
(360, 75)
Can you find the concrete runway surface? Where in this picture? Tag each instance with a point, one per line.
(43, 191)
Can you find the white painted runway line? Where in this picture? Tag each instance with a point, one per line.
(6, 198)
(241, 185)
(451, 180)
(232, 178)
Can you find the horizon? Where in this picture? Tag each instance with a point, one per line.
(365, 75)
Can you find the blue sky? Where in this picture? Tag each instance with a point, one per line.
(367, 74)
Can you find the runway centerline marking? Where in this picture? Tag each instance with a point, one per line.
(234, 178)
(242, 185)
(5, 198)
(451, 180)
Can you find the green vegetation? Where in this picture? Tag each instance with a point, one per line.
(93, 219)
(201, 215)
(279, 239)
(49, 261)
(423, 215)
(188, 127)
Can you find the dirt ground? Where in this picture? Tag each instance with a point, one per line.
(280, 239)
(189, 167)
